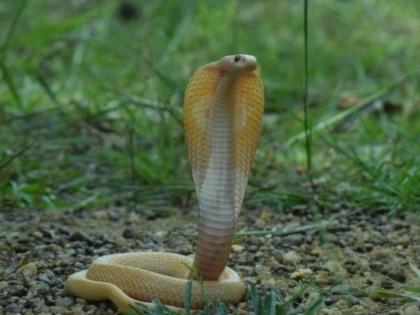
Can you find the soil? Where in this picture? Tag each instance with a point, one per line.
(344, 255)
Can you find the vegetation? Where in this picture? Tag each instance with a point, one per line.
(91, 104)
(92, 100)
(268, 303)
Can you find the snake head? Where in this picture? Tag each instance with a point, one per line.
(237, 63)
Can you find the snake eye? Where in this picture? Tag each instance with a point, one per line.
(237, 58)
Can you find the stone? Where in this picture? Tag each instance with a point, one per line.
(331, 311)
(133, 217)
(302, 273)
(119, 242)
(40, 288)
(292, 240)
(29, 270)
(356, 309)
(130, 233)
(237, 248)
(82, 237)
(404, 240)
(53, 248)
(160, 234)
(44, 278)
(333, 266)
(64, 302)
(291, 257)
(3, 285)
(397, 274)
(38, 235)
(340, 288)
(101, 215)
(330, 300)
(12, 308)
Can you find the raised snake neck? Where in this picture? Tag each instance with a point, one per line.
(216, 194)
(223, 109)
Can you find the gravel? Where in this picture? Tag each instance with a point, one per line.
(354, 253)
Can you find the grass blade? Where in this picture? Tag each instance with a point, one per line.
(255, 299)
(306, 123)
(133, 310)
(188, 298)
(12, 27)
(315, 307)
(415, 269)
(272, 303)
(411, 289)
(221, 309)
(10, 84)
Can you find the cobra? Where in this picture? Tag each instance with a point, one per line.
(223, 109)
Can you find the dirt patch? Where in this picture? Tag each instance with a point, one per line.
(343, 256)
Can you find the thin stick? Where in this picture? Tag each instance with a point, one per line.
(352, 110)
(285, 231)
(22, 150)
(307, 127)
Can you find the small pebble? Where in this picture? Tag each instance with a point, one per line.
(29, 270)
(101, 215)
(397, 274)
(12, 308)
(237, 248)
(130, 233)
(292, 240)
(160, 234)
(302, 273)
(3, 285)
(80, 236)
(120, 242)
(291, 257)
(64, 302)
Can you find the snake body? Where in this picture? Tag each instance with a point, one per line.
(223, 107)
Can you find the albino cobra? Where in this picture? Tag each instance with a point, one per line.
(223, 108)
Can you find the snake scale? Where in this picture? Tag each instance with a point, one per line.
(223, 109)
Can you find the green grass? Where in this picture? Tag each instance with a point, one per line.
(261, 303)
(100, 100)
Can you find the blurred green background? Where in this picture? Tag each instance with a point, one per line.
(91, 101)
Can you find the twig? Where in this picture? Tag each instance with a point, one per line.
(285, 231)
(307, 125)
(27, 116)
(159, 107)
(10, 83)
(352, 110)
(143, 102)
(83, 203)
(47, 89)
(22, 150)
